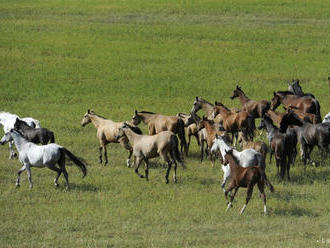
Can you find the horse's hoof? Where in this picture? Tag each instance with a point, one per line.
(166, 181)
(17, 185)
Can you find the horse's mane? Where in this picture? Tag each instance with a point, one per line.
(92, 112)
(284, 92)
(146, 112)
(222, 105)
(135, 129)
(203, 100)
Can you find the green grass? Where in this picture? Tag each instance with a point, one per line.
(59, 58)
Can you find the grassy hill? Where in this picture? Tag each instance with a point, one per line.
(60, 58)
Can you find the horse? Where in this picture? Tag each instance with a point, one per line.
(275, 116)
(145, 147)
(304, 104)
(235, 122)
(246, 178)
(282, 142)
(326, 118)
(35, 135)
(212, 131)
(258, 146)
(191, 128)
(296, 89)
(40, 156)
(255, 108)
(7, 120)
(311, 118)
(245, 158)
(107, 130)
(157, 123)
(310, 135)
(206, 106)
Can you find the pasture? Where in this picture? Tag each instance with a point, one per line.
(59, 58)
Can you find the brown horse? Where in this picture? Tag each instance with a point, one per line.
(157, 123)
(235, 122)
(145, 147)
(246, 178)
(311, 118)
(275, 116)
(107, 130)
(211, 131)
(255, 108)
(304, 104)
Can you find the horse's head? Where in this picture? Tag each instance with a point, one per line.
(6, 138)
(86, 119)
(197, 105)
(236, 92)
(275, 102)
(228, 154)
(136, 119)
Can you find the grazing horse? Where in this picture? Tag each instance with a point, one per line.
(310, 135)
(304, 104)
(32, 155)
(246, 178)
(255, 108)
(235, 122)
(158, 123)
(7, 120)
(145, 147)
(107, 130)
(35, 135)
(245, 158)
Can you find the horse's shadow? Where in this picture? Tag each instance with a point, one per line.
(83, 187)
(295, 211)
(310, 175)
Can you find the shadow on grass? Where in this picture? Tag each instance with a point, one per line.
(83, 187)
(309, 175)
(294, 211)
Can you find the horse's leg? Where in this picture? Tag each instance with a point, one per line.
(11, 148)
(248, 197)
(262, 194)
(100, 156)
(105, 155)
(129, 157)
(188, 144)
(28, 171)
(146, 170)
(202, 150)
(230, 203)
(174, 175)
(288, 164)
(19, 175)
(226, 175)
(138, 161)
(59, 172)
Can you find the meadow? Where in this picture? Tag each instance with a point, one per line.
(59, 58)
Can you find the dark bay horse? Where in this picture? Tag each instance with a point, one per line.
(296, 89)
(255, 108)
(304, 104)
(35, 135)
(157, 123)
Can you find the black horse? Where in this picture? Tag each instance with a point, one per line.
(296, 89)
(35, 135)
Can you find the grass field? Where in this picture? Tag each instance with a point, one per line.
(59, 58)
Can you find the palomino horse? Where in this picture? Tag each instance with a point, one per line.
(304, 104)
(7, 120)
(254, 108)
(145, 147)
(158, 123)
(35, 135)
(246, 178)
(32, 155)
(107, 130)
(235, 122)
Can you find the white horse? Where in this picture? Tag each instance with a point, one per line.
(7, 120)
(32, 155)
(326, 118)
(246, 158)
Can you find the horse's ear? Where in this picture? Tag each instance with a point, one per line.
(204, 118)
(216, 136)
(88, 111)
(274, 93)
(196, 98)
(136, 112)
(17, 120)
(216, 103)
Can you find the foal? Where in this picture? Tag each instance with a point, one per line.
(246, 178)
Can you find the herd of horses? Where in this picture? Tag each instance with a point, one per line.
(218, 133)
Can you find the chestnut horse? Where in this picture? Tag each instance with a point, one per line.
(106, 133)
(157, 123)
(254, 108)
(246, 178)
(235, 122)
(304, 104)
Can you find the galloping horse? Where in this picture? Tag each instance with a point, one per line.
(304, 104)
(145, 147)
(107, 130)
(157, 123)
(235, 122)
(41, 156)
(254, 108)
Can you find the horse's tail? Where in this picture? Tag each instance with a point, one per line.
(75, 160)
(182, 135)
(266, 181)
(251, 125)
(174, 150)
(317, 111)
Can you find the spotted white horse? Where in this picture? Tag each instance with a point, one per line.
(7, 120)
